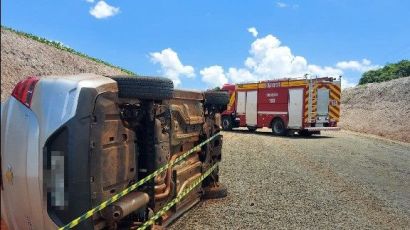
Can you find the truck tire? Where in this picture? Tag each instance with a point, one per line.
(227, 123)
(305, 133)
(278, 127)
(216, 98)
(145, 88)
(251, 129)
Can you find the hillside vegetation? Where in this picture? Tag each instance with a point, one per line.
(25, 55)
(387, 73)
(61, 46)
(378, 108)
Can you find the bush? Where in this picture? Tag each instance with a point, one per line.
(387, 73)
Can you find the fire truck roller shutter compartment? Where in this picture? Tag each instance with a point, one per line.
(251, 108)
(240, 105)
(322, 105)
(295, 108)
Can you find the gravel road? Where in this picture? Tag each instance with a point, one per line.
(338, 180)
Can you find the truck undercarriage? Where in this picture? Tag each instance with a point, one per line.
(121, 132)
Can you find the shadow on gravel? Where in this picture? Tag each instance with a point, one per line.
(267, 133)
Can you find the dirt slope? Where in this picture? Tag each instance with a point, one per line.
(378, 108)
(22, 57)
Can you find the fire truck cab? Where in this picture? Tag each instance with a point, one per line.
(306, 106)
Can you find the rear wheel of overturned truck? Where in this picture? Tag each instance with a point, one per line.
(144, 88)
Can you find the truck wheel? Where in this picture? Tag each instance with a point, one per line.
(278, 127)
(252, 129)
(216, 98)
(305, 133)
(146, 88)
(227, 123)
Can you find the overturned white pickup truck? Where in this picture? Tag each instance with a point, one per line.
(69, 143)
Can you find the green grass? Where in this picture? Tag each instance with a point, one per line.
(61, 46)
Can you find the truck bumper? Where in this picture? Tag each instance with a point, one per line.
(311, 129)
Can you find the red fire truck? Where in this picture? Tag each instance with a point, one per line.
(306, 106)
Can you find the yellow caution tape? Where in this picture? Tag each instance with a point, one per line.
(124, 192)
(177, 199)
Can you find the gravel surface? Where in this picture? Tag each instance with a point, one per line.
(22, 57)
(338, 180)
(378, 108)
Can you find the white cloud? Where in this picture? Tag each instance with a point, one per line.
(90, 1)
(363, 66)
(281, 5)
(171, 66)
(240, 75)
(347, 84)
(213, 76)
(269, 59)
(285, 5)
(324, 71)
(253, 31)
(103, 10)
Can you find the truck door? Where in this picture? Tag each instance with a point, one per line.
(295, 107)
(251, 108)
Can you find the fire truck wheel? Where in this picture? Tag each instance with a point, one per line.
(216, 98)
(278, 127)
(305, 133)
(227, 123)
(252, 129)
(145, 88)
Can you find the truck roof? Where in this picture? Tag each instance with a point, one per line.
(321, 79)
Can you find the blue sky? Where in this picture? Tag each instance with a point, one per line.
(202, 44)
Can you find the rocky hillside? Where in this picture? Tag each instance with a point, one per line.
(22, 56)
(378, 108)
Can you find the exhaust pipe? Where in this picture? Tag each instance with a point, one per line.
(125, 206)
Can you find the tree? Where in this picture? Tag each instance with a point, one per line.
(387, 73)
